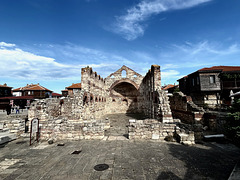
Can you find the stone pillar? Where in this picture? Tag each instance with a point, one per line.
(156, 73)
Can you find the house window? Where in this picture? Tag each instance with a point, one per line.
(193, 83)
(212, 79)
(197, 80)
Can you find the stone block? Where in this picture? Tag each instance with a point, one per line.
(155, 136)
(132, 120)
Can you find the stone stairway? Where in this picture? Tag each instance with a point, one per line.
(6, 136)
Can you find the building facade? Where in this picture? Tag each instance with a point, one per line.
(34, 90)
(211, 87)
(71, 90)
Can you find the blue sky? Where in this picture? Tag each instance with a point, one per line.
(49, 41)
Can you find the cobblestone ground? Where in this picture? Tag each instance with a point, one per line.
(127, 159)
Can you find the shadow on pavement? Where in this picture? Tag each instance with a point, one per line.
(209, 161)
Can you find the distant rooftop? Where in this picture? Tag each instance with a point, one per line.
(216, 68)
(221, 68)
(5, 85)
(32, 87)
(74, 86)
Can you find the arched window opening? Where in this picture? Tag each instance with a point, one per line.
(124, 73)
(125, 101)
(113, 100)
(96, 99)
(85, 100)
(91, 99)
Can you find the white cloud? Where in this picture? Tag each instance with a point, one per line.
(204, 47)
(3, 45)
(170, 74)
(57, 62)
(131, 26)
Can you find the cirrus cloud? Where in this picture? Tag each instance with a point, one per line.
(131, 25)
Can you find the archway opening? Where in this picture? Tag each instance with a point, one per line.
(126, 93)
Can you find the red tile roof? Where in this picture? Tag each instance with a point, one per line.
(5, 85)
(56, 94)
(216, 68)
(32, 87)
(221, 68)
(168, 86)
(74, 86)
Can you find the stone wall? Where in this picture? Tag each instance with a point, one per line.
(155, 130)
(15, 123)
(184, 109)
(69, 118)
(150, 129)
(154, 101)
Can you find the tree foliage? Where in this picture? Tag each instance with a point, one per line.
(233, 130)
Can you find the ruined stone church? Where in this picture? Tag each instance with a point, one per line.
(124, 91)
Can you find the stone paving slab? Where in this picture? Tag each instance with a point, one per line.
(140, 160)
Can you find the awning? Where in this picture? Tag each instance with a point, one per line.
(235, 94)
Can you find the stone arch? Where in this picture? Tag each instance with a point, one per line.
(121, 81)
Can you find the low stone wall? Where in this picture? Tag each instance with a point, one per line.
(155, 130)
(15, 124)
(150, 129)
(69, 118)
(58, 129)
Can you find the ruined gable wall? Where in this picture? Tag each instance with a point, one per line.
(116, 76)
(122, 91)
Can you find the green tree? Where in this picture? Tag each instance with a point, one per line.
(233, 130)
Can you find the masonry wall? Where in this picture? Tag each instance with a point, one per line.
(69, 118)
(154, 101)
(150, 129)
(183, 108)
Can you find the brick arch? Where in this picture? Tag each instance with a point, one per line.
(124, 80)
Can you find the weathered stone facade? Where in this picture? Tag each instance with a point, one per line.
(183, 108)
(81, 116)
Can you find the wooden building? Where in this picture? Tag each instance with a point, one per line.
(70, 90)
(35, 90)
(210, 87)
(5, 91)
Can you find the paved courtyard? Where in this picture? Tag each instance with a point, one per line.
(127, 159)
